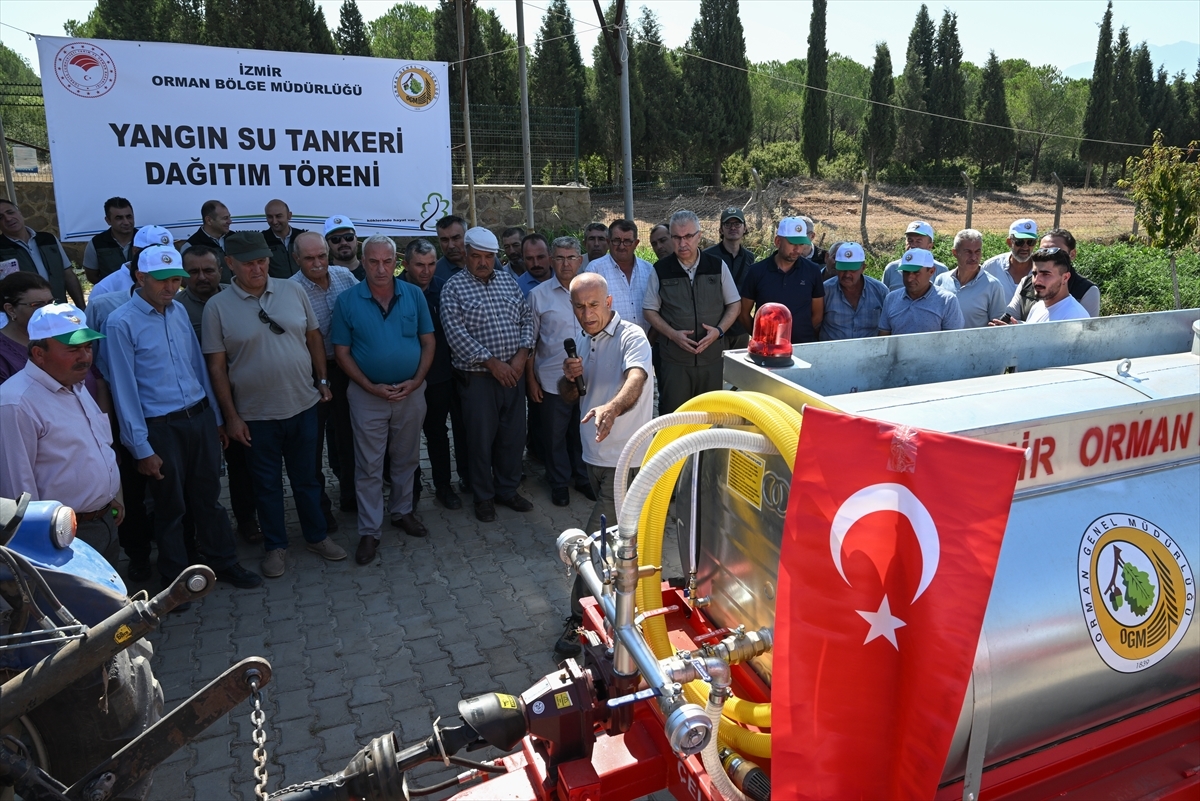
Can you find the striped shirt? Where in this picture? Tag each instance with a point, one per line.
(485, 319)
(627, 293)
(323, 300)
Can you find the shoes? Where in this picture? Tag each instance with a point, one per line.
(365, 554)
(248, 530)
(239, 577)
(410, 525)
(485, 511)
(585, 489)
(518, 503)
(327, 549)
(465, 486)
(139, 570)
(348, 504)
(568, 644)
(272, 565)
(560, 496)
(331, 522)
(448, 497)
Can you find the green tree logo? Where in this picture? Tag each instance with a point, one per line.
(1139, 592)
(433, 209)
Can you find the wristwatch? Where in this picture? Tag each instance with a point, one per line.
(720, 332)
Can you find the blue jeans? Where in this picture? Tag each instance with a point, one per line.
(274, 443)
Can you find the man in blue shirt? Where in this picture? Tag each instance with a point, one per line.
(918, 235)
(920, 306)
(383, 339)
(169, 420)
(787, 277)
(450, 232)
(853, 301)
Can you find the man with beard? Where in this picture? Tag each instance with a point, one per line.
(1051, 276)
(1009, 268)
(510, 240)
(342, 239)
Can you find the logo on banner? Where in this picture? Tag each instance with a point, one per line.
(85, 70)
(415, 87)
(1137, 590)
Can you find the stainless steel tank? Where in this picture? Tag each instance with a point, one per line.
(1110, 410)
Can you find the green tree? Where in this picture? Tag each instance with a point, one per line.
(481, 87)
(993, 141)
(351, 37)
(604, 100)
(153, 21)
(912, 123)
(1143, 78)
(947, 94)
(776, 99)
(662, 84)
(879, 127)
(24, 117)
(849, 83)
(1180, 133)
(1127, 122)
(1097, 120)
(1166, 190)
(321, 40)
(404, 32)
(556, 75)
(816, 101)
(716, 85)
(920, 44)
(500, 64)
(1041, 100)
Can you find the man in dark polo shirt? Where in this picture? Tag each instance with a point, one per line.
(738, 259)
(787, 277)
(280, 235)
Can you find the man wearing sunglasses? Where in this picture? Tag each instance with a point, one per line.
(342, 238)
(1010, 268)
(691, 301)
(266, 358)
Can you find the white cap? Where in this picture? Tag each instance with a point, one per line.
(337, 223)
(920, 227)
(161, 262)
(480, 238)
(63, 322)
(795, 230)
(849, 256)
(914, 259)
(1023, 229)
(149, 235)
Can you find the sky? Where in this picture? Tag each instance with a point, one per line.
(778, 29)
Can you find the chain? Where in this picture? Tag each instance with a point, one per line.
(259, 719)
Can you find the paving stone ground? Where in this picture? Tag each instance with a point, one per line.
(358, 651)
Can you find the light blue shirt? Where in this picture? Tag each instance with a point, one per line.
(997, 267)
(843, 321)
(528, 283)
(893, 279)
(156, 368)
(99, 309)
(980, 300)
(936, 310)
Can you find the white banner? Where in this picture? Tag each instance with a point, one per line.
(169, 126)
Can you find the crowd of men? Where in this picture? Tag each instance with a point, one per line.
(254, 352)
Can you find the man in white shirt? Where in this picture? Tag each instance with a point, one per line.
(626, 274)
(1051, 272)
(123, 279)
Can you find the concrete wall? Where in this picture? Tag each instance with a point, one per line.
(497, 207)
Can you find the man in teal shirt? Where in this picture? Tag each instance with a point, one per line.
(383, 339)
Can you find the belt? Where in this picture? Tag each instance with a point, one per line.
(87, 517)
(182, 414)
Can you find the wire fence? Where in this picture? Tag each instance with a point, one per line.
(497, 150)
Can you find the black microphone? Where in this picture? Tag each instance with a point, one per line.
(580, 384)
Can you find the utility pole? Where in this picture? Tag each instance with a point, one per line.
(8, 176)
(626, 143)
(469, 158)
(521, 67)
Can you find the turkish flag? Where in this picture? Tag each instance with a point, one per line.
(889, 549)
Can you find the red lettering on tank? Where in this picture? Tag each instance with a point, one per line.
(1043, 449)
(1182, 432)
(1092, 435)
(1112, 444)
(1159, 440)
(1139, 440)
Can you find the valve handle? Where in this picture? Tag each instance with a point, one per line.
(640, 695)
(713, 636)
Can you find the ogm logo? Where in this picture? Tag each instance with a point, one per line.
(85, 70)
(415, 87)
(1137, 591)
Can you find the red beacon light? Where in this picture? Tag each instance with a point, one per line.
(771, 345)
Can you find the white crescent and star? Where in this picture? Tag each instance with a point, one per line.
(887, 498)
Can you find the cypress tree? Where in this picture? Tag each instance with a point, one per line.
(445, 48)
(816, 101)
(720, 115)
(1143, 79)
(1163, 109)
(501, 64)
(947, 94)
(351, 36)
(556, 76)
(879, 125)
(912, 124)
(656, 68)
(920, 41)
(606, 114)
(320, 39)
(1181, 131)
(1128, 124)
(1097, 119)
(993, 142)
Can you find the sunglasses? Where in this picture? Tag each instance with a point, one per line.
(276, 328)
(336, 239)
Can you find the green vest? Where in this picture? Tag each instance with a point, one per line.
(47, 245)
(686, 305)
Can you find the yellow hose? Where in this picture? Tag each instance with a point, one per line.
(781, 424)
